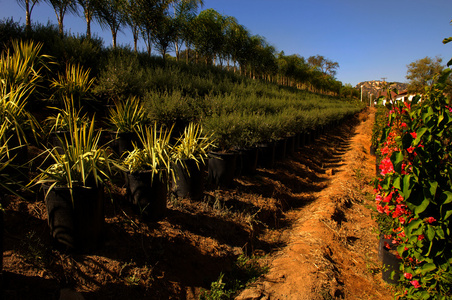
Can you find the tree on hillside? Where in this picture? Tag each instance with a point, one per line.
(208, 36)
(133, 17)
(88, 13)
(164, 35)
(152, 11)
(421, 73)
(110, 14)
(324, 65)
(28, 5)
(184, 11)
(62, 7)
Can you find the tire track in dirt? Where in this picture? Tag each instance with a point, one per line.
(331, 250)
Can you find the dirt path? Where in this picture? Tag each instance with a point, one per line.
(331, 250)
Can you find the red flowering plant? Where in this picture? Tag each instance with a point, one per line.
(414, 190)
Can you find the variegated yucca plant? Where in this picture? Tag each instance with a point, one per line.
(82, 161)
(75, 82)
(193, 144)
(128, 115)
(153, 152)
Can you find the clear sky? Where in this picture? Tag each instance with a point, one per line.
(370, 40)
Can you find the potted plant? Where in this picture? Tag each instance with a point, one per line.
(190, 154)
(124, 118)
(222, 163)
(147, 169)
(58, 125)
(73, 187)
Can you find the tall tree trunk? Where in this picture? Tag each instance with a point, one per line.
(176, 46)
(113, 34)
(27, 16)
(88, 24)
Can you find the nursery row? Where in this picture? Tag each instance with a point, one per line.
(152, 140)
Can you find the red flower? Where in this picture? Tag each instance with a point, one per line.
(410, 150)
(415, 283)
(420, 237)
(431, 220)
(408, 275)
(414, 135)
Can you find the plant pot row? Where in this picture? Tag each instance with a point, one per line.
(76, 219)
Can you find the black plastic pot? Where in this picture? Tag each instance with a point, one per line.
(122, 141)
(148, 194)
(308, 138)
(189, 181)
(267, 154)
(247, 161)
(377, 164)
(280, 149)
(290, 145)
(76, 222)
(302, 139)
(372, 150)
(391, 263)
(221, 168)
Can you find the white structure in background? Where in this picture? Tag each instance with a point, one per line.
(401, 96)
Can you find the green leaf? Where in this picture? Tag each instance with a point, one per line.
(396, 183)
(414, 225)
(422, 207)
(447, 214)
(420, 132)
(433, 186)
(430, 233)
(427, 268)
(440, 233)
(406, 190)
(447, 196)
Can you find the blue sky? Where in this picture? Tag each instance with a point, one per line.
(370, 40)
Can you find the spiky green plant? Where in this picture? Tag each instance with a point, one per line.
(13, 114)
(127, 115)
(22, 65)
(75, 82)
(83, 162)
(64, 117)
(153, 153)
(193, 144)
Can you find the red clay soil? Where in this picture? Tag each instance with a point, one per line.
(309, 220)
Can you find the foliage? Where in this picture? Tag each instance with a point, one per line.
(415, 191)
(422, 73)
(65, 117)
(380, 123)
(14, 116)
(193, 144)
(75, 83)
(82, 162)
(245, 271)
(153, 153)
(22, 65)
(128, 115)
(121, 77)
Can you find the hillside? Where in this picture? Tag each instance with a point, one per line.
(376, 85)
